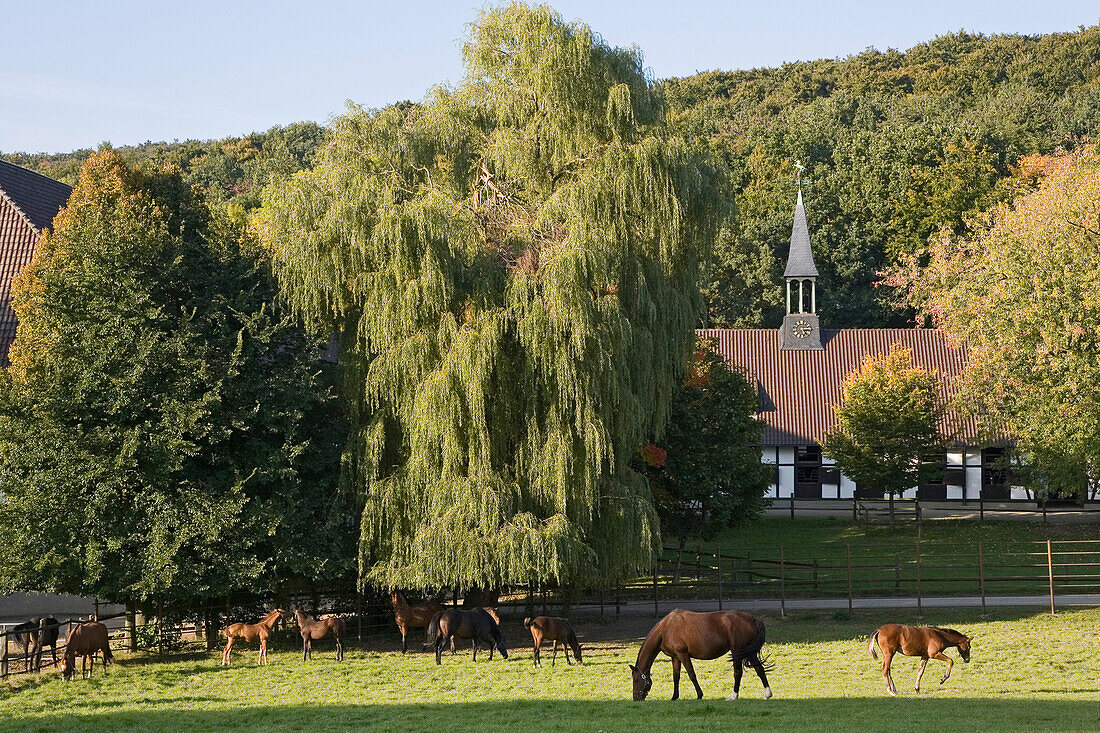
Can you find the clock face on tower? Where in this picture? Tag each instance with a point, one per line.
(801, 328)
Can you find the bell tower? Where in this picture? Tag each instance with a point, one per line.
(801, 330)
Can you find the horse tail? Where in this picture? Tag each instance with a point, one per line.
(107, 653)
(751, 653)
(528, 622)
(432, 637)
(871, 645)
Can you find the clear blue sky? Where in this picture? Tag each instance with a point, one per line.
(76, 73)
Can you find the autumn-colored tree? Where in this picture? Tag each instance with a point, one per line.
(1023, 294)
(887, 435)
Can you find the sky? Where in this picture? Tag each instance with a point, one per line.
(75, 73)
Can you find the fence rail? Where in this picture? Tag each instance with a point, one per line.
(837, 571)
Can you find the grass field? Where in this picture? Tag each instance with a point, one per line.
(1029, 671)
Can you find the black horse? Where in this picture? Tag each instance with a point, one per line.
(476, 624)
(36, 633)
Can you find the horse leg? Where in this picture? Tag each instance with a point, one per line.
(227, 650)
(554, 659)
(887, 657)
(473, 643)
(262, 659)
(339, 649)
(438, 649)
(565, 650)
(404, 645)
(762, 673)
(920, 672)
(691, 674)
(535, 654)
(675, 678)
(944, 658)
(305, 646)
(738, 670)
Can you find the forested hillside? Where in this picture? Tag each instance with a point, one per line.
(896, 146)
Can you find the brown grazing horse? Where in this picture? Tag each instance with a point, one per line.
(550, 628)
(477, 624)
(36, 633)
(916, 641)
(412, 617)
(86, 640)
(685, 635)
(261, 632)
(312, 630)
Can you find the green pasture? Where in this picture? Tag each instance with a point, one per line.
(1030, 671)
(884, 559)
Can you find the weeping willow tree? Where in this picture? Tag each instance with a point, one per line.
(512, 266)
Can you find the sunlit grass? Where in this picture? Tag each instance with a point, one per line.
(1029, 671)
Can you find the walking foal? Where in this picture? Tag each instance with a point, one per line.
(261, 632)
(926, 642)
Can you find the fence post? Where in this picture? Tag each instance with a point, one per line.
(1050, 576)
(618, 598)
(848, 553)
(601, 602)
(718, 565)
(782, 584)
(981, 506)
(95, 604)
(748, 567)
(897, 573)
(655, 611)
(981, 575)
(792, 505)
(815, 575)
(920, 609)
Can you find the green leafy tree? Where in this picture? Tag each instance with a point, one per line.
(1023, 293)
(887, 435)
(513, 267)
(165, 435)
(706, 474)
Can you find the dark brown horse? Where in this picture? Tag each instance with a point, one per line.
(685, 635)
(477, 625)
(550, 628)
(86, 640)
(36, 633)
(926, 642)
(260, 632)
(412, 617)
(312, 630)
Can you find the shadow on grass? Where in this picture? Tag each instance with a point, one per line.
(864, 714)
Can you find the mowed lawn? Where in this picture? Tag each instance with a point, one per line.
(1029, 671)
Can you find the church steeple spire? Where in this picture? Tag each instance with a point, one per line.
(800, 327)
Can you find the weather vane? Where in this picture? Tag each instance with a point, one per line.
(799, 167)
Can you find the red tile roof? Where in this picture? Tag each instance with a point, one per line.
(28, 204)
(798, 389)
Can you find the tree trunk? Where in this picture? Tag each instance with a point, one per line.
(210, 624)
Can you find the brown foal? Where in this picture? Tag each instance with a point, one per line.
(261, 632)
(549, 628)
(412, 617)
(926, 642)
(318, 629)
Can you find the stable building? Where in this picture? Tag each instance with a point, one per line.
(28, 204)
(799, 369)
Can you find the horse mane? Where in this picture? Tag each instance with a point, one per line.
(949, 632)
(492, 612)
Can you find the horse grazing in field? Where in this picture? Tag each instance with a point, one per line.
(86, 640)
(478, 624)
(685, 635)
(926, 642)
(36, 633)
(412, 617)
(549, 628)
(318, 629)
(261, 632)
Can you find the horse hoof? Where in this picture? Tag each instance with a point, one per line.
(892, 692)
(732, 697)
(767, 693)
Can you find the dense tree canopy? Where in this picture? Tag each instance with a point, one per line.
(163, 433)
(1023, 292)
(887, 437)
(512, 265)
(897, 144)
(710, 476)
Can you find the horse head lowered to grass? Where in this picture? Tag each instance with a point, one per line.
(686, 635)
